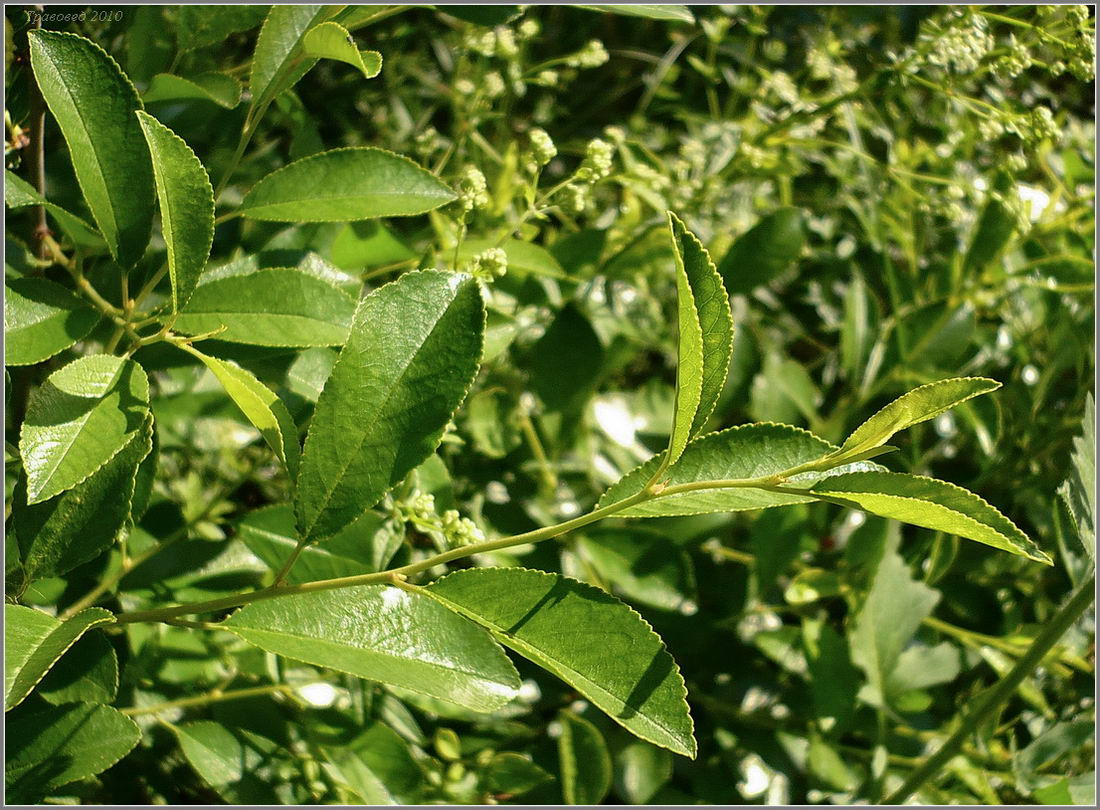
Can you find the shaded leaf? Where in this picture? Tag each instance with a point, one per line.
(33, 641)
(377, 766)
(589, 639)
(75, 526)
(42, 318)
(1079, 490)
(199, 26)
(94, 104)
(87, 673)
(669, 12)
(278, 61)
(387, 635)
(414, 349)
(343, 185)
(186, 207)
(18, 193)
(584, 761)
(54, 746)
(236, 763)
(763, 252)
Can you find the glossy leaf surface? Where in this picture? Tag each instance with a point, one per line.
(589, 639)
(386, 635)
(330, 40)
(272, 307)
(414, 349)
(186, 206)
(81, 416)
(94, 104)
(42, 318)
(343, 185)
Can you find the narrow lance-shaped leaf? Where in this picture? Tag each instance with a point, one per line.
(930, 503)
(61, 744)
(712, 311)
(261, 407)
(33, 641)
(586, 637)
(278, 306)
(75, 526)
(42, 318)
(744, 452)
(387, 635)
(918, 405)
(331, 40)
(18, 193)
(186, 206)
(94, 104)
(79, 419)
(343, 185)
(689, 363)
(414, 349)
(666, 12)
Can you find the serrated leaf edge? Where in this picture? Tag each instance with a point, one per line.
(584, 586)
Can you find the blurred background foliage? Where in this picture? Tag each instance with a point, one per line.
(893, 195)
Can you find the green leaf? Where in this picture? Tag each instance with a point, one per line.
(343, 185)
(235, 763)
(33, 641)
(641, 770)
(360, 548)
(918, 405)
(75, 526)
(277, 306)
(61, 744)
(279, 62)
(589, 639)
(220, 88)
(260, 406)
(414, 350)
(94, 104)
(641, 566)
(995, 228)
(81, 416)
(689, 358)
(1079, 490)
(930, 503)
(199, 26)
(524, 258)
(514, 774)
(330, 40)
(764, 252)
(584, 760)
(87, 673)
(748, 451)
(712, 311)
(669, 12)
(893, 610)
(186, 207)
(18, 193)
(834, 682)
(387, 635)
(42, 318)
(483, 14)
(377, 766)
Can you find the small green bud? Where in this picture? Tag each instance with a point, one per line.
(542, 146)
(591, 55)
(490, 264)
(494, 85)
(506, 47)
(473, 190)
(597, 160)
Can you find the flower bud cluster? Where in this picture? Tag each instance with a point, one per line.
(542, 147)
(456, 530)
(963, 45)
(597, 161)
(592, 55)
(473, 190)
(490, 264)
(1014, 61)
